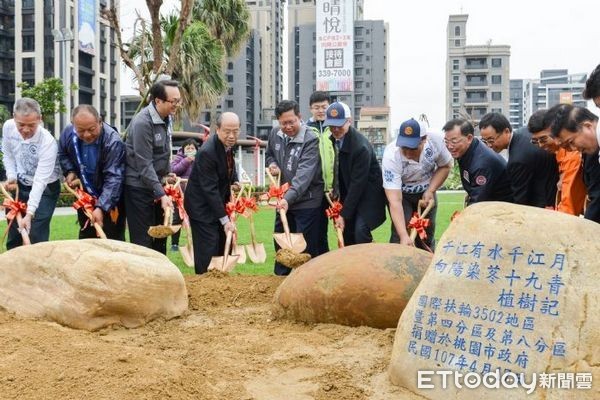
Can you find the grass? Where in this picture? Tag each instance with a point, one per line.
(66, 227)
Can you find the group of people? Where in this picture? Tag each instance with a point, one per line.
(553, 163)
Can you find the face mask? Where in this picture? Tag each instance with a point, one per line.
(190, 153)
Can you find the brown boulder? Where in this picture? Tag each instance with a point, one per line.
(510, 288)
(90, 284)
(366, 284)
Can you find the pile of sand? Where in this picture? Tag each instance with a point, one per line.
(227, 347)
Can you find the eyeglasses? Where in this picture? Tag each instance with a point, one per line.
(174, 102)
(453, 142)
(541, 140)
(288, 123)
(490, 140)
(317, 108)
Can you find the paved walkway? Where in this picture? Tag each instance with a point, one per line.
(64, 211)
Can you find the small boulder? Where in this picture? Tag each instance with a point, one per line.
(366, 284)
(90, 284)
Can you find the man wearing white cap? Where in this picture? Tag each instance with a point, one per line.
(357, 178)
(414, 167)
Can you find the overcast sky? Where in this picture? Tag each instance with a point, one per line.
(542, 35)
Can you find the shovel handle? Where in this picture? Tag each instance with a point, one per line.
(286, 226)
(167, 220)
(24, 233)
(228, 238)
(252, 229)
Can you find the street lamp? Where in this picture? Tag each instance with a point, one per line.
(63, 36)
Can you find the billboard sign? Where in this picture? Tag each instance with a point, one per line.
(87, 25)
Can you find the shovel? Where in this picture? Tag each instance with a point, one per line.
(238, 250)
(227, 262)
(413, 232)
(87, 213)
(287, 240)
(338, 230)
(19, 217)
(256, 251)
(187, 252)
(165, 230)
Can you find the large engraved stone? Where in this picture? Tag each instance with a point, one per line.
(366, 284)
(509, 288)
(90, 284)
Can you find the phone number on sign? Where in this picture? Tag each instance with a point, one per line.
(335, 72)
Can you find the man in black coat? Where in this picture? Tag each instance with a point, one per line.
(357, 178)
(209, 189)
(532, 173)
(482, 172)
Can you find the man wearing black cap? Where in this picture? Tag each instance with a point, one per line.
(357, 178)
(413, 169)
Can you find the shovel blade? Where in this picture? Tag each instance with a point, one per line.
(257, 253)
(238, 250)
(187, 253)
(298, 242)
(282, 240)
(222, 264)
(161, 231)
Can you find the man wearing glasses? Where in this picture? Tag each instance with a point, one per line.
(531, 171)
(319, 101)
(148, 147)
(92, 152)
(482, 172)
(293, 152)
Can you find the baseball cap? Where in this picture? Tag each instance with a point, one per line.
(410, 134)
(336, 114)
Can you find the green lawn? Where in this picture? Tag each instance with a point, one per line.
(66, 227)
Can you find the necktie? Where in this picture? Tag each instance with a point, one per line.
(336, 167)
(229, 156)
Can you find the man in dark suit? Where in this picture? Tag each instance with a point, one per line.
(357, 178)
(209, 189)
(531, 172)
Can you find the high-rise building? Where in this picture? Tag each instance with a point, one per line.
(374, 123)
(370, 59)
(553, 87)
(267, 19)
(477, 76)
(61, 38)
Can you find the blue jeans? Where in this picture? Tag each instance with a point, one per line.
(40, 225)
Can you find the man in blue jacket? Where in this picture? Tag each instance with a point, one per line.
(93, 152)
(482, 172)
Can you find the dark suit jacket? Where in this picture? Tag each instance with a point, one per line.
(209, 186)
(533, 172)
(361, 183)
(591, 178)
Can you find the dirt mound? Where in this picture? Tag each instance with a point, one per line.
(226, 347)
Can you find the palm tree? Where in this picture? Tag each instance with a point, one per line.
(227, 20)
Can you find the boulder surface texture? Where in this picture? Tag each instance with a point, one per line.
(510, 288)
(360, 285)
(90, 284)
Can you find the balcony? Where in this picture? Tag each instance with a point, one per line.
(476, 84)
(475, 101)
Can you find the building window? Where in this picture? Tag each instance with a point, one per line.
(455, 79)
(367, 45)
(229, 78)
(455, 65)
(496, 96)
(358, 58)
(230, 91)
(457, 31)
(28, 43)
(358, 71)
(368, 84)
(358, 45)
(368, 98)
(496, 79)
(230, 65)
(368, 71)
(455, 97)
(497, 110)
(230, 104)
(358, 30)
(358, 98)
(457, 43)
(28, 66)
(358, 85)
(496, 62)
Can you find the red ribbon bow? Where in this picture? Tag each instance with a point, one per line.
(278, 191)
(175, 194)
(420, 224)
(250, 204)
(334, 211)
(15, 208)
(84, 200)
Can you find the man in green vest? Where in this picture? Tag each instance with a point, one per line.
(319, 101)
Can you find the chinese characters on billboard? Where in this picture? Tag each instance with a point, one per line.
(335, 45)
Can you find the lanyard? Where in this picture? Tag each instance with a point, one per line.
(86, 184)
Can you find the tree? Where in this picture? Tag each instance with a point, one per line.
(227, 20)
(4, 114)
(50, 94)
